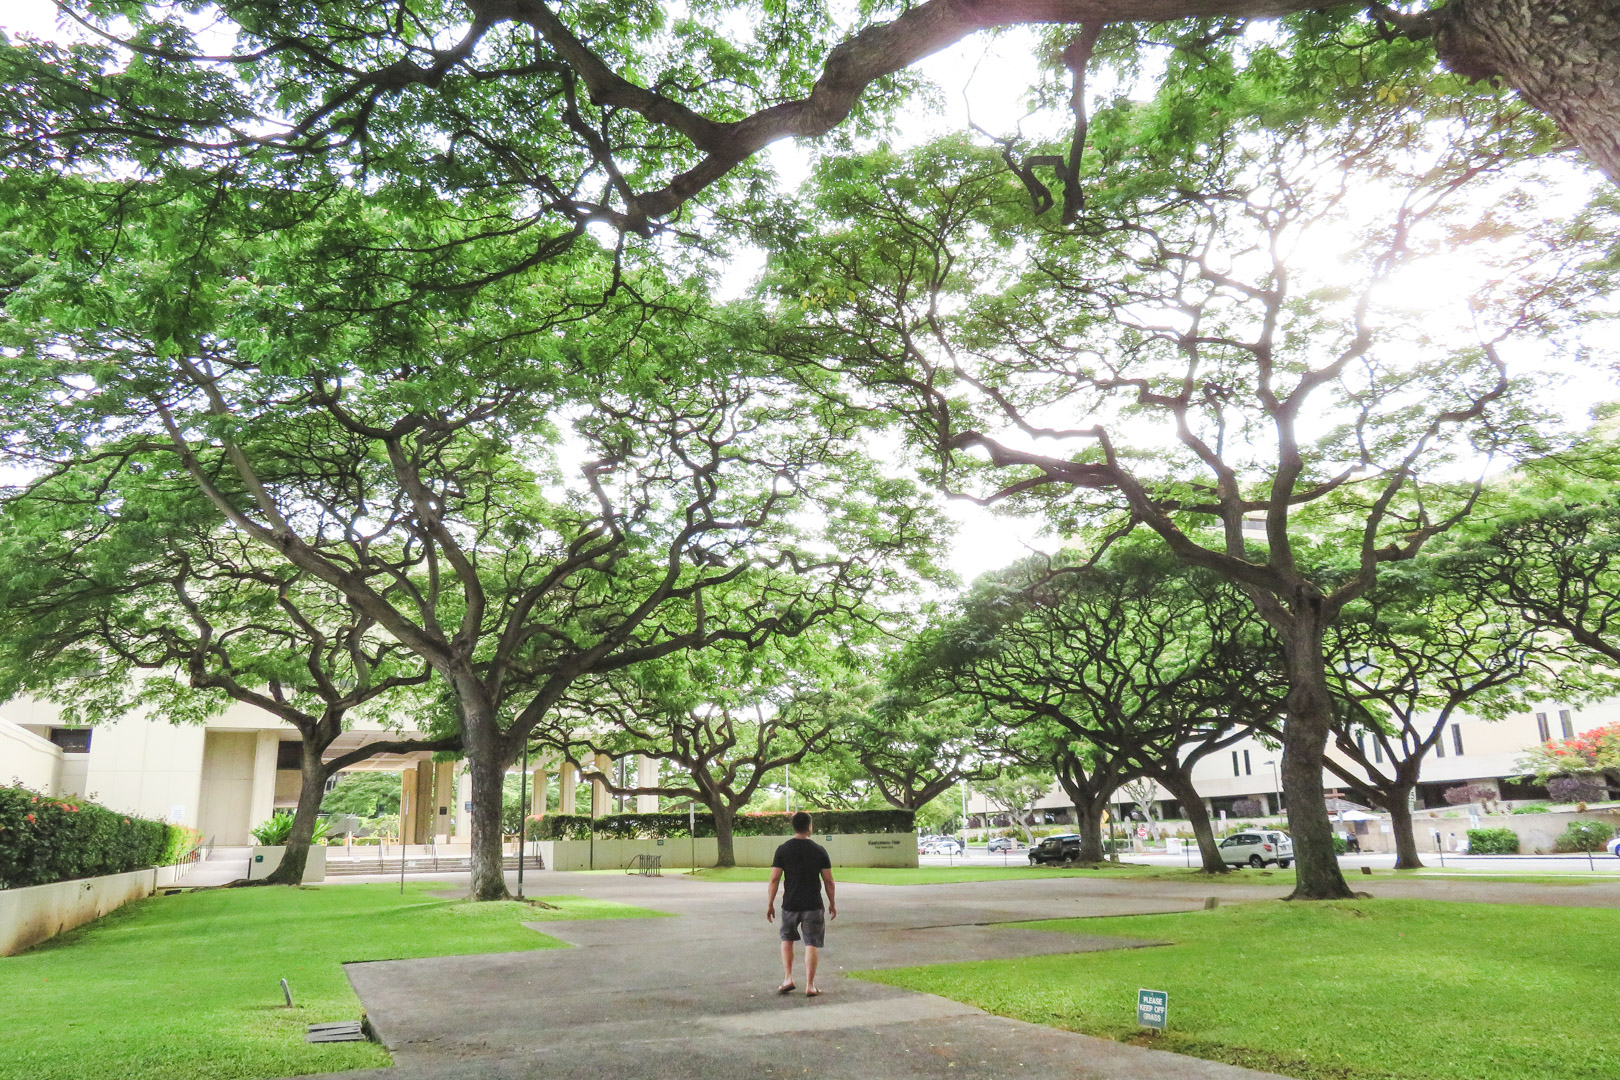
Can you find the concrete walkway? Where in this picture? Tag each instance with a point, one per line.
(693, 995)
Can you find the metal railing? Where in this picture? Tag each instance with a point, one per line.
(646, 865)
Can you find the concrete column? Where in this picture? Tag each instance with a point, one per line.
(444, 799)
(463, 832)
(537, 790)
(599, 792)
(424, 802)
(567, 781)
(262, 803)
(407, 805)
(646, 776)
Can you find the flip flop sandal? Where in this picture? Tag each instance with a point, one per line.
(787, 988)
(812, 993)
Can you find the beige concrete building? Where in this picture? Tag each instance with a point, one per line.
(221, 778)
(229, 775)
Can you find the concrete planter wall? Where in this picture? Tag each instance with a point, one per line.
(264, 860)
(40, 912)
(857, 849)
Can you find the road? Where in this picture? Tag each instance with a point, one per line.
(1600, 864)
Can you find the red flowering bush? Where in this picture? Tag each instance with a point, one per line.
(1595, 751)
(43, 839)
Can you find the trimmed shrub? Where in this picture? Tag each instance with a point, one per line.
(1247, 808)
(1463, 794)
(45, 839)
(1532, 808)
(665, 826)
(1567, 789)
(1493, 842)
(1585, 836)
(1341, 846)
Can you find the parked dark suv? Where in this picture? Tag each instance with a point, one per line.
(1062, 848)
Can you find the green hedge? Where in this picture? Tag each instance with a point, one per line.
(665, 826)
(45, 839)
(1493, 842)
(1585, 836)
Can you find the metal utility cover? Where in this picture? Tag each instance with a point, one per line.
(342, 1031)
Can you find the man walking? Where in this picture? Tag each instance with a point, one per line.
(805, 865)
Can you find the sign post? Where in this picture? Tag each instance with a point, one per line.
(1152, 1008)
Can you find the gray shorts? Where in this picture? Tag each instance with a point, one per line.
(812, 924)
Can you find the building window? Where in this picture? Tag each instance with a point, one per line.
(72, 740)
(1361, 743)
(1541, 726)
(1566, 722)
(1440, 746)
(1246, 770)
(1235, 770)
(289, 755)
(1456, 739)
(1378, 752)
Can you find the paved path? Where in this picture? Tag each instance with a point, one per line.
(692, 996)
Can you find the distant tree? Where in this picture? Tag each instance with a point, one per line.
(1405, 660)
(364, 794)
(725, 723)
(1144, 665)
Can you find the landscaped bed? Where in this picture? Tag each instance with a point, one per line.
(188, 985)
(1350, 990)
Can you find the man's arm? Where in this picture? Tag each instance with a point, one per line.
(770, 895)
(827, 882)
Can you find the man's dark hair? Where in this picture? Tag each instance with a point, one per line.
(801, 822)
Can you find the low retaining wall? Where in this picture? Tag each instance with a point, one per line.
(857, 849)
(39, 912)
(1537, 832)
(263, 861)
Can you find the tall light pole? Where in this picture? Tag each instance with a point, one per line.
(1276, 785)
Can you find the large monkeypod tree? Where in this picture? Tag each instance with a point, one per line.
(125, 591)
(1215, 348)
(523, 484)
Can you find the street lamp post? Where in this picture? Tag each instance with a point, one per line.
(1276, 785)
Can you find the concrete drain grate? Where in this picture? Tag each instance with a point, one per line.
(341, 1031)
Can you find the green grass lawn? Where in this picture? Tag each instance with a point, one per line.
(187, 986)
(1350, 990)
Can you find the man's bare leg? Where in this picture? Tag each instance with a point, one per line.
(787, 965)
(811, 954)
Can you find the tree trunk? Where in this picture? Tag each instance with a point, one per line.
(1562, 56)
(1178, 783)
(1305, 738)
(1399, 804)
(727, 853)
(1088, 823)
(488, 774)
(311, 790)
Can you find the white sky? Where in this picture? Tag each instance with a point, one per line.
(988, 77)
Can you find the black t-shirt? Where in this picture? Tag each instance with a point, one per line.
(801, 862)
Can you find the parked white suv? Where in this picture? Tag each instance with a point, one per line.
(1257, 848)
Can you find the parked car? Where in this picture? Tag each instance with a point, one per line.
(941, 845)
(1003, 843)
(1614, 846)
(1257, 848)
(1058, 848)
